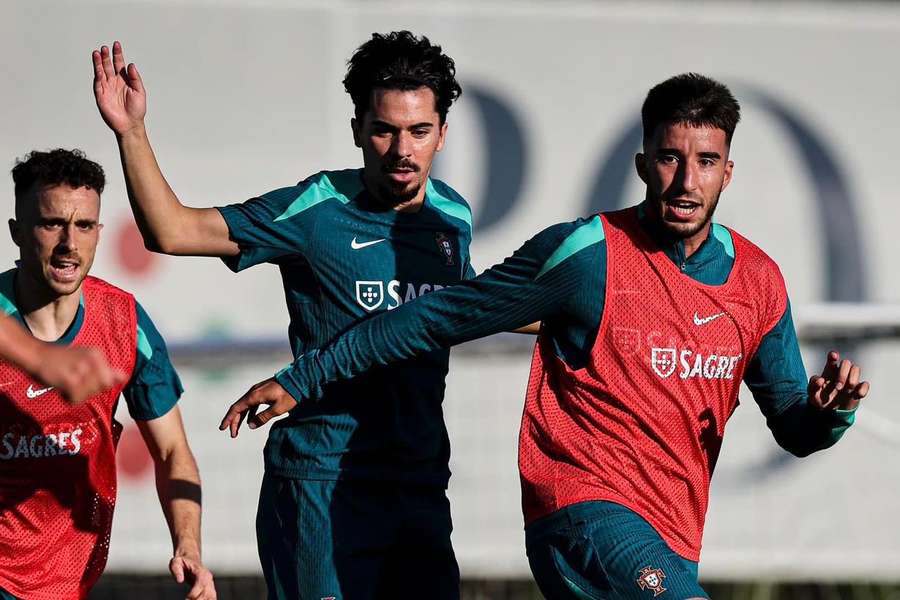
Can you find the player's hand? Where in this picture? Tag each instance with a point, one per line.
(77, 372)
(267, 392)
(191, 571)
(838, 387)
(118, 90)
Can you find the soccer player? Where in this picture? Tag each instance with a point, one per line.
(652, 316)
(57, 461)
(353, 501)
(77, 373)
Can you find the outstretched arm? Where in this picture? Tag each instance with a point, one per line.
(178, 487)
(536, 282)
(77, 372)
(167, 225)
(803, 415)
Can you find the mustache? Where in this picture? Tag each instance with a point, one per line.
(66, 257)
(680, 197)
(403, 164)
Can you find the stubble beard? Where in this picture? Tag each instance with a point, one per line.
(683, 231)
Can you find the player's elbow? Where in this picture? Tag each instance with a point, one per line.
(168, 244)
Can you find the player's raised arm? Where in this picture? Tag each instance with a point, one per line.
(167, 225)
(539, 280)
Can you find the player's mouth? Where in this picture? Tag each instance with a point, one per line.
(64, 270)
(402, 174)
(681, 210)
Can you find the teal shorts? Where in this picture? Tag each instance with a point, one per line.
(355, 540)
(604, 551)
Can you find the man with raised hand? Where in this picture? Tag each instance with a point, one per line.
(57, 461)
(652, 316)
(353, 501)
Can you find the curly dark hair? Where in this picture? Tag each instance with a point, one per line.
(401, 61)
(691, 99)
(56, 167)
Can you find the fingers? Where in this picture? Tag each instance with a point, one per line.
(134, 78)
(99, 73)
(235, 416)
(176, 566)
(118, 58)
(832, 362)
(108, 69)
(839, 386)
(199, 577)
(265, 416)
(815, 391)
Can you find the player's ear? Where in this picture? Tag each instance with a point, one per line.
(442, 135)
(15, 232)
(729, 167)
(640, 165)
(354, 125)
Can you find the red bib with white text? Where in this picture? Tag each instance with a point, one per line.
(57, 464)
(641, 425)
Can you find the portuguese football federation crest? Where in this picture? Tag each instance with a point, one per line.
(651, 579)
(663, 361)
(369, 294)
(445, 245)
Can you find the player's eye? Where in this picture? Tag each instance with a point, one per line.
(420, 133)
(667, 159)
(707, 162)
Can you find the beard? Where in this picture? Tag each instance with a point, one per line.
(682, 230)
(394, 195)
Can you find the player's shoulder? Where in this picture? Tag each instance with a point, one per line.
(756, 267)
(342, 185)
(736, 244)
(447, 200)
(581, 240)
(320, 188)
(580, 233)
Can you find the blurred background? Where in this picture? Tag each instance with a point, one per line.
(245, 96)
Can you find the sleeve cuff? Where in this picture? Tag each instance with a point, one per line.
(286, 380)
(845, 417)
(234, 219)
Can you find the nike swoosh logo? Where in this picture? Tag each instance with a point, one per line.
(360, 245)
(703, 321)
(33, 393)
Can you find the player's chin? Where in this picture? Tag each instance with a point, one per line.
(683, 229)
(405, 192)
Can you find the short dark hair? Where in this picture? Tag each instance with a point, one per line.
(691, 99)
(401, 61)
(56, 167)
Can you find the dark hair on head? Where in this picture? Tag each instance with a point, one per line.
(56, 167)
(401, 61)
(691, 99)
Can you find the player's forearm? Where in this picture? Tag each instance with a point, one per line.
(492, 303)
(381, 340)
(19, 348)
(178, 488)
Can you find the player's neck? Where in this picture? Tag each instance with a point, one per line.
(693, 243)
(47, 315)
(682, 247)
